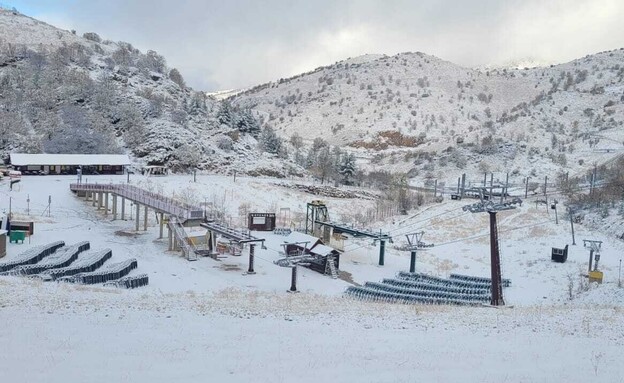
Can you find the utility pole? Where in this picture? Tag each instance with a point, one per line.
(415, 242)
(593, 182)
(492, 208)
(526, 188)
(572, 225)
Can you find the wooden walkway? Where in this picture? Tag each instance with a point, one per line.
(152, 200)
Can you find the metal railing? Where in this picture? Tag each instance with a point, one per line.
(182, 238)
(153, 200)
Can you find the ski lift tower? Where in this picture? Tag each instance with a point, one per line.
(492, 208)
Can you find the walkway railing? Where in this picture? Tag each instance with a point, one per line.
(153, 200)
(182, 239)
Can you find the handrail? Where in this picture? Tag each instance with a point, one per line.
(179, 232)
(153, 200)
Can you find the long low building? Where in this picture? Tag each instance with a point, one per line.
(69, 163)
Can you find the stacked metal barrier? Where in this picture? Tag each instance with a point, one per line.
(426, 289)
(435, 287)
(427, 293)
(130, 282)
(469, 278)
(91, 261)
(108, 273)
(442, 281)
(62, 257)
(56, 262)
(31, 256)
(369, 294)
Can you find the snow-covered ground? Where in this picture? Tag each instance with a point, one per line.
(207, 320)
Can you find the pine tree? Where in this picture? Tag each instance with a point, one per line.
(348, 168)
(225, 115)
(269, 141)
(246, 123)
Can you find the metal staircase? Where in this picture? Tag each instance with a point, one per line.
(330, 267)
(182, 238)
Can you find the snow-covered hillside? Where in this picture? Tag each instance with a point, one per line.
(64, 93)
(500, 119)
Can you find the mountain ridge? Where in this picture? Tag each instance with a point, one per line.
(492, 117)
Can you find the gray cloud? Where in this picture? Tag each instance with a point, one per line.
(240, 43)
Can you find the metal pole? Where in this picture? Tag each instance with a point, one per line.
(382, 252)
(161, 226)
(591, 259)
(136, 206)
(252, 249)
(620, 275)
(572, 224)
(545, 186)
(435, 189)
(145, 219)
(463, 185)
(526, 188)
(293, 279)
(506, 186)
(556, 216)
(593, 184)
(491, 185)
(497, 291)
(123, 209)
(413, 261)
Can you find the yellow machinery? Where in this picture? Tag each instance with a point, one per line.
(595, 276)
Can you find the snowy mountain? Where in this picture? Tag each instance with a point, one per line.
(61, 92)
(414, 112)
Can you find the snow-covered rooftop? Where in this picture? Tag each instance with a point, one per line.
(23, 159)
(296, 236)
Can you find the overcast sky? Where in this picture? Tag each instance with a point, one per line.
(229, 44)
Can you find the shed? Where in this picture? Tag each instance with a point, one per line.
(261, 221)
(69, 163)
(559, 255)
(26, 226)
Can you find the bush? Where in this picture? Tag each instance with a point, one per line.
(92, 36)
(175, 76)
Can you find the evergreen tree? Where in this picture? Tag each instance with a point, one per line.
(246, 123)
(269, 141)
(225, 115)
(348, 168)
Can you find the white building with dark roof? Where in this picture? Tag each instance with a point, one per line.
(69, 163)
